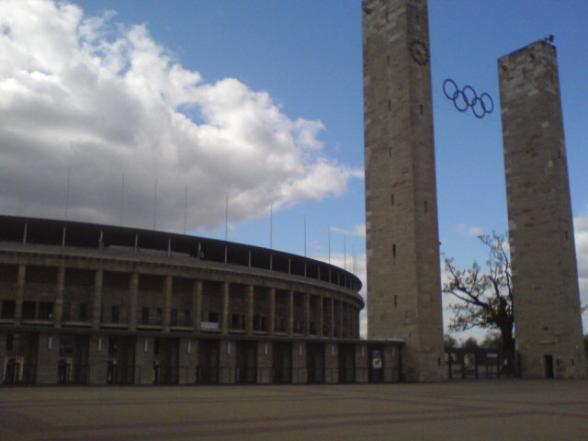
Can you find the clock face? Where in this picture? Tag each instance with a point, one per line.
(419, 52)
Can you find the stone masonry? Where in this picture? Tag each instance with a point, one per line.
(545, 280)
(403, 268)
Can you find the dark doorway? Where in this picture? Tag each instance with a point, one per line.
(376, 366)
(208, 355)
(315, 362)
(549, 371)
(165, 365)
(346, 363)
(246, 369)
(63, 372)
(73, 366)
(121, 362)
(282, 363)
(12, 372)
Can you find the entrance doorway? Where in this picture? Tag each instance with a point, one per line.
(549, 371)
(376, 360)
(316, 362)
(246, 371)
(64, 372)
(346, 363)
(282, 363)
(12, 371)
(208, 356)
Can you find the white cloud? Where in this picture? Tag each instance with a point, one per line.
(357, 230)
(469, 230)
(105, 100)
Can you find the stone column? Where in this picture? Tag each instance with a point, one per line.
(290, 312)
(197, 305)
(306, 313)
(264, 362)
(272, 311)
(250, 310)
(167, 302)
(299, 367)
(332, 363)
(332, 330)
(58, 306)
(341, 305)
(227, 362)
(225, 306)
(321, 323)
(97, 300)
(20, 284)
(133, 301)
(361, 363)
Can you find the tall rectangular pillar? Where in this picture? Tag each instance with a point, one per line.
(290, 312)
(58, 306)
(264, 362)
(250, 310)
(197, 305)
(134, 300)
(97, 299)
(167, 302)
(272, 311)
(187, 360)
(541, 231)
(227, 362)
(20, 283)
(225, 308)
(306, 313)
(403, 267)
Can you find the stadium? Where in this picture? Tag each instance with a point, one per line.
(84, 303)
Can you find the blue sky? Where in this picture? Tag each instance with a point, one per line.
(307, 56)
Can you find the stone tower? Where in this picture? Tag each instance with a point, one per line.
(545, 281)
(404, 293)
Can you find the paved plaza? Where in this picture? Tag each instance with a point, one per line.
(480, 411)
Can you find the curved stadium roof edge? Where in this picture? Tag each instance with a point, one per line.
(91, 235)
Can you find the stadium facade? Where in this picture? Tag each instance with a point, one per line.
(83, 303)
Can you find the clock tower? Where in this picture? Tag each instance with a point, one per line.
(403, 265)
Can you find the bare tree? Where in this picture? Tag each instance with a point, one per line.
(485, 295)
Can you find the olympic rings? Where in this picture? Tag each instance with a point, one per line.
(467, 98)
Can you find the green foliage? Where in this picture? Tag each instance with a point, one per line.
(449, 343)
(485, 294)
